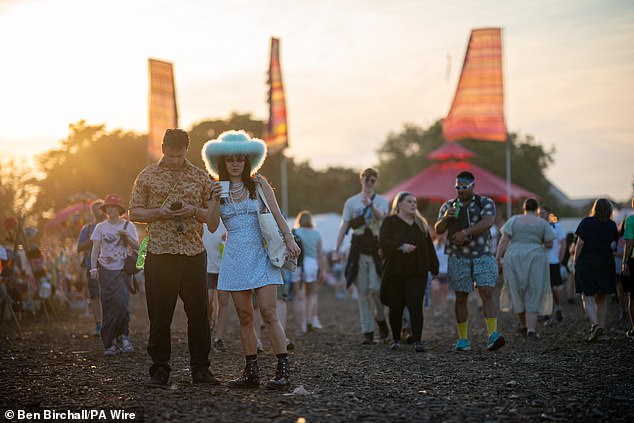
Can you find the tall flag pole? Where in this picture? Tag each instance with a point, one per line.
(163, 113)
(477, 110)
(276, 131)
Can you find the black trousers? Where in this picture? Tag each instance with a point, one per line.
(410, 292)
(168, 276)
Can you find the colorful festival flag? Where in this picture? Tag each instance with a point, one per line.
(477, 110)
(275, 131)
(163, 113)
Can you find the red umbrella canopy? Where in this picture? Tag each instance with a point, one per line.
(437, 183)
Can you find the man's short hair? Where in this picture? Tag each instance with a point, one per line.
(369, 172)
(467, 176)
(176, 139)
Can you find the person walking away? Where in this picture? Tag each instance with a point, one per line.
(111, 241)
(555, 258)
(523, 256)
(627, 269)
(595, 276)
(171, 195)
(409, 256)
(236, 157)
(304, 279)
(363, 214)
(467, 219)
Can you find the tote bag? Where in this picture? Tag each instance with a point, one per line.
(273, 238)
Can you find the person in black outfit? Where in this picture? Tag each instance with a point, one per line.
(595, 274)
(409, 255)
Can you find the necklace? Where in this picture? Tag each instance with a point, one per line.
(237, 194)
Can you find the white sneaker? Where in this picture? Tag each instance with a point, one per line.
(111, 351)
(316, 323)
(126, 345)
(303, 327)
(259, 347)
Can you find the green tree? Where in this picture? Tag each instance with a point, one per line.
(91, 160)
(404, 154)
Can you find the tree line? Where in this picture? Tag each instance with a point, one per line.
(94, 160)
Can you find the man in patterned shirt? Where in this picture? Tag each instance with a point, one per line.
(171, 195)
(467, 220)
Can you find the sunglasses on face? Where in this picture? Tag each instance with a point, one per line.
(464, 187)
(233, 159)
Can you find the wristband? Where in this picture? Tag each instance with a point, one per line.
(195, 213)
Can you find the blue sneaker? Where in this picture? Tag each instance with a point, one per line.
(462, 345)
(496, 341)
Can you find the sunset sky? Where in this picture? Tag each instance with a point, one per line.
(354, 71)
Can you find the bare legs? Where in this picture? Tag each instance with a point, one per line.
(267, 303)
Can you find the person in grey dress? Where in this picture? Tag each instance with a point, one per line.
(523, 257)
(235, 157)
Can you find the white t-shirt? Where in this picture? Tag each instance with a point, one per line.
(553, 253)
(354, 207)
(113, 250)
(212, 243)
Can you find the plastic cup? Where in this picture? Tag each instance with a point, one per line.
(225, 189)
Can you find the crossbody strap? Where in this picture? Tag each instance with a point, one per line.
(261, 194)
(165, 201)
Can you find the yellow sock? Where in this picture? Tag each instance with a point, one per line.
(492, 324)
(463, 330)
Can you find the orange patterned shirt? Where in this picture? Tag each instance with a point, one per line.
(150, 190)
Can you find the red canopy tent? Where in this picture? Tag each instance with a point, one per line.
(437, 182)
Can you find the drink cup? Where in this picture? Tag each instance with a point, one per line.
(225, 189)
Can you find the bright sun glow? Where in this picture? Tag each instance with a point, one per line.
(354, 71)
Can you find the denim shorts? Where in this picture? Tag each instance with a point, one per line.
(465, 273)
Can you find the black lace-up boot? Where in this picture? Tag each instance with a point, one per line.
(249, 378)
(282, 374)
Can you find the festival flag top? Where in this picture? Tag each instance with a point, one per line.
(477, 110)
(163, 113)
(275, 131)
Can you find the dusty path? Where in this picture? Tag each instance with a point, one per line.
(560, 378)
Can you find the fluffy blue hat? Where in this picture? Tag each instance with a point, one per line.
(233, 143)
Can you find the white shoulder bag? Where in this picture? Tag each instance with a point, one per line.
(273, 237)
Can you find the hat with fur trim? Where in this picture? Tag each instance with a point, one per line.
(231, 143)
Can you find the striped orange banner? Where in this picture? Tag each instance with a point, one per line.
(275, 131)
(477, 110)
(163, 113)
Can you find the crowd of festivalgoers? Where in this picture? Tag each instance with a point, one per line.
(204, 244)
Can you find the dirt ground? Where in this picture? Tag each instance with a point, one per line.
(60, 366)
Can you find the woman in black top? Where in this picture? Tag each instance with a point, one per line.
(408, 254)
(595, 275)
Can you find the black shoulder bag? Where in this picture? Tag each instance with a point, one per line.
(359, 221)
